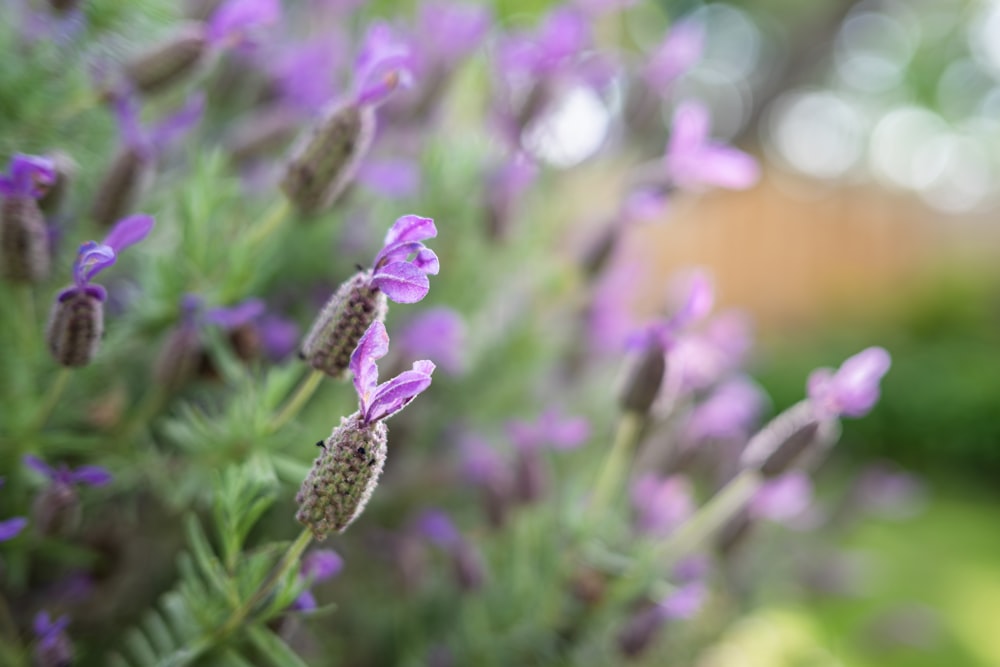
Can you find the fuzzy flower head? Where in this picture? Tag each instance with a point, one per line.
(853, 389)
(29, 176)
(401, 268)
(377, 401)
(694, 162)
(383, 65)
(94, 257)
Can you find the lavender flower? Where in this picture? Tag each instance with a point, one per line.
(483, 467)
(728, 413)
(131, 169)
(76, 321)
(693, 162)
(466, 561)
(661, 504)
(24, 244)
(506, 186)
(346, 472)
(782, 499)
(399, 273)
(852, 390)
(439, 335)
(552, 429)
(641, 630)
(325, 162)
(318, 566)
(56, 510)
(390, 179)
(699, 359)
(680, 50)
(53, 648)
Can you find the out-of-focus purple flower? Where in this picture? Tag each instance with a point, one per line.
(552, 428)
(94, 257)
(381, 401)
(149, 142)
(84, 475)
(278, 336)
(661, 504)
(783, 499)
(480, 461)
(401, 279)
(694, 162)
(438, 527)
(304, 73)
(457, 28)
(391, 179)
(680, 50)
(437, 334)
(232, 317)
(28, 176)
(853, 389)
(730, 412)
(53, 647)
(691, 569)
(644, 205)
(506, 186)
(611, 321)
(692, 295)
(383, 65)
(886, 490)
(11, 528)
(699, 359)
(318, 566)
(685, 602)
(234, 23)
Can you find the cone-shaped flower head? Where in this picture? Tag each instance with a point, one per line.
(24, 244)
(76, 321)
(325, 162)
(56, 510)
(695, 162)
(853, 389)
(399, 273)
(344, 476)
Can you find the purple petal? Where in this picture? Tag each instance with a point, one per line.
(783, 498)
(565, 432)
(437, 334)
(39, 466)
(438, 527)
(129, 231)
(661, 504)
(373, 345)
(564, 34)
(689, 130)
(427, 261)
(235, 18)
(695, 293)
(458, 29)
(10, 528)
(383, 65)
(169, 130)
(322, 564)
(685, 602)
(396, 394)
(680, 50)
(854, 389)
(393, 179)
(718, 165)
(236, 316)
(91, 259)
(410, 228)
(305, 602)
(278, 336)
(304, 73)
(402, 282)
(29, 176)
(730, 412)
(91, 476)
(127, 113)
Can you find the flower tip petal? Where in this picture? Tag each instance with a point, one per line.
(402, 282)
(129, 231)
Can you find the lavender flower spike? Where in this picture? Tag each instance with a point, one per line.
(853, 389)
(24, 245)
(346, 472)
(56, 510)
(76, 321)
(399, 273)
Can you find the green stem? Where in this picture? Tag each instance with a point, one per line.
(298, 401)
(151, 404)
(272, 221)
(616, 462)
(28, 320)
(52, 397)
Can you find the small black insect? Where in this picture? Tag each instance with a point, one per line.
(361, 451)
(371, 462)
(321, 444)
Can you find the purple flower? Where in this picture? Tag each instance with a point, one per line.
(853, 389)
(11, 528)
(782, 499)
(551, 428)
(481, 463)
(278, 336)
(233, 317)
(94, 257)
(694, 162)
(506, 186)
(730, 412)
(885, 490)
(66, 476)
(53, 646)
(685, 602)
(30, 176)
(149, 142)
(438, 527)
(458, 29)
(661, 504)
(561, 37)
(437, 334)
(233, 23)
(693, 295)
(680, 50)
(318, 566)
(380, 401)
(699, 359)
(401, 277)
(304, 73)
(391, 179)
(383, 65)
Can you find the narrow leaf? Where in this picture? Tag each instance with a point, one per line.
(271, 647)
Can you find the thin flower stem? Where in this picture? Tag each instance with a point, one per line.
(275, 216)
(28, 320)
(298, 401)
(616, 462)
(151, 404)
(711, 517)
(52, 397)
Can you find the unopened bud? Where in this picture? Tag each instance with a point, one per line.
(467, 566)
(56, 510)
(129, 174)
(325, 161)
(54, 198)
(642, 383)
(76, 324)
(170, 61)
(530, 480)
(793, 439)
(24, 242)
(343, 321)
(343, 477)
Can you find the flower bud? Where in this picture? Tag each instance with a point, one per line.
(76, 324)
(325, 161)
(793, 439)
(643, 380)
(24, 242)
(596, 256)
(56, 510)
(343, 477)
(129, 174)
(54, 198)
(341, 324)
(170, 61)
(179, 358)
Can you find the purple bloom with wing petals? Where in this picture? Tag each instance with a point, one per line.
(151, 141)
(380, 401)
(94, 257)
(699, 359)
(24, 240)
(66, 476)
(56, 509)
(729, 412)
(693, 296)
(853, 389)
(383, 65)
(458, 30)
(318, 566)
(53, 648)
(437, 334)
(29, 176)
(694, 162)
(235, 21)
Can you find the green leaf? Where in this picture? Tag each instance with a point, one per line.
(271, 647)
